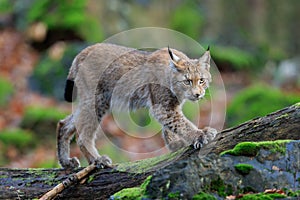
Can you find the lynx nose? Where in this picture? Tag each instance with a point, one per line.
(197, 96)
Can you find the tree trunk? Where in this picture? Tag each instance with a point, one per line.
(33, 183)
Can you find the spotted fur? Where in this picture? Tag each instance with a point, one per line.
(110, 77)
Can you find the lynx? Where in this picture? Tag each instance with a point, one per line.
(109, 77)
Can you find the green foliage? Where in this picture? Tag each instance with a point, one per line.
(251, 148)
(243, 168)
(5, 6)
(237, 58)
(56, 14)
(39, 114)
(203, 196)
(187, 19)
(17, 137)
(255, 101)
(49, 75)
(42, 121)
(6, 90)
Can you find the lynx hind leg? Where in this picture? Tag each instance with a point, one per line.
(65, 132)
(86, 129)
(172, 141)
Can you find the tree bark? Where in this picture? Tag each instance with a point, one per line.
(102, 183)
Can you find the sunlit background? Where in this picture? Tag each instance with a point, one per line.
(254, 43)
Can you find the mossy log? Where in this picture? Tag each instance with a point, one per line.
(102, 183)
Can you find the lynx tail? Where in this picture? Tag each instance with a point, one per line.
(70, 91)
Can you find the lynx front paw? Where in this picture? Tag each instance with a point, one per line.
(199, 142)
(210, 133)
(71, 163)
(204, 136)
(103, 161)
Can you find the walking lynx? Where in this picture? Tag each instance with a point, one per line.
(108, 77)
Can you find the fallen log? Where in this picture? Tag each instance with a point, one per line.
(102, 183)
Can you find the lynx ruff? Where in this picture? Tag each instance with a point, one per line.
(109, 77)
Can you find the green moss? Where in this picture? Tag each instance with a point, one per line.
(133, 193)
(297, 104)
(292, 193)
(143, 165)
(255, 101)
(274, 146)
(262, 196)
(3, 176)
(129, 193)
(243, 169)
(91, 178)
(203, 196)
(283, 116)
(251, 148)
(174, 196)
(220, 187)
(146, 183)
(243, 149)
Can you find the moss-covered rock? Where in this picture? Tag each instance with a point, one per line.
(252, 148)
(222, 176)
(243, 169)
(243, 149)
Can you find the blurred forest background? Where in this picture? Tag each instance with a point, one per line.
(254, 43)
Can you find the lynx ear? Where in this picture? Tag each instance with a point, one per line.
(174, 61)
(204, 60)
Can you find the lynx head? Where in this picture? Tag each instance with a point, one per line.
(190, 77)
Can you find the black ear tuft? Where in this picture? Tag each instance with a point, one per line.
(170, 53)
(69, 90)
(208, 48)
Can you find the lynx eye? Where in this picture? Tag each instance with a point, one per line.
(187, 82)
(201, 81)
